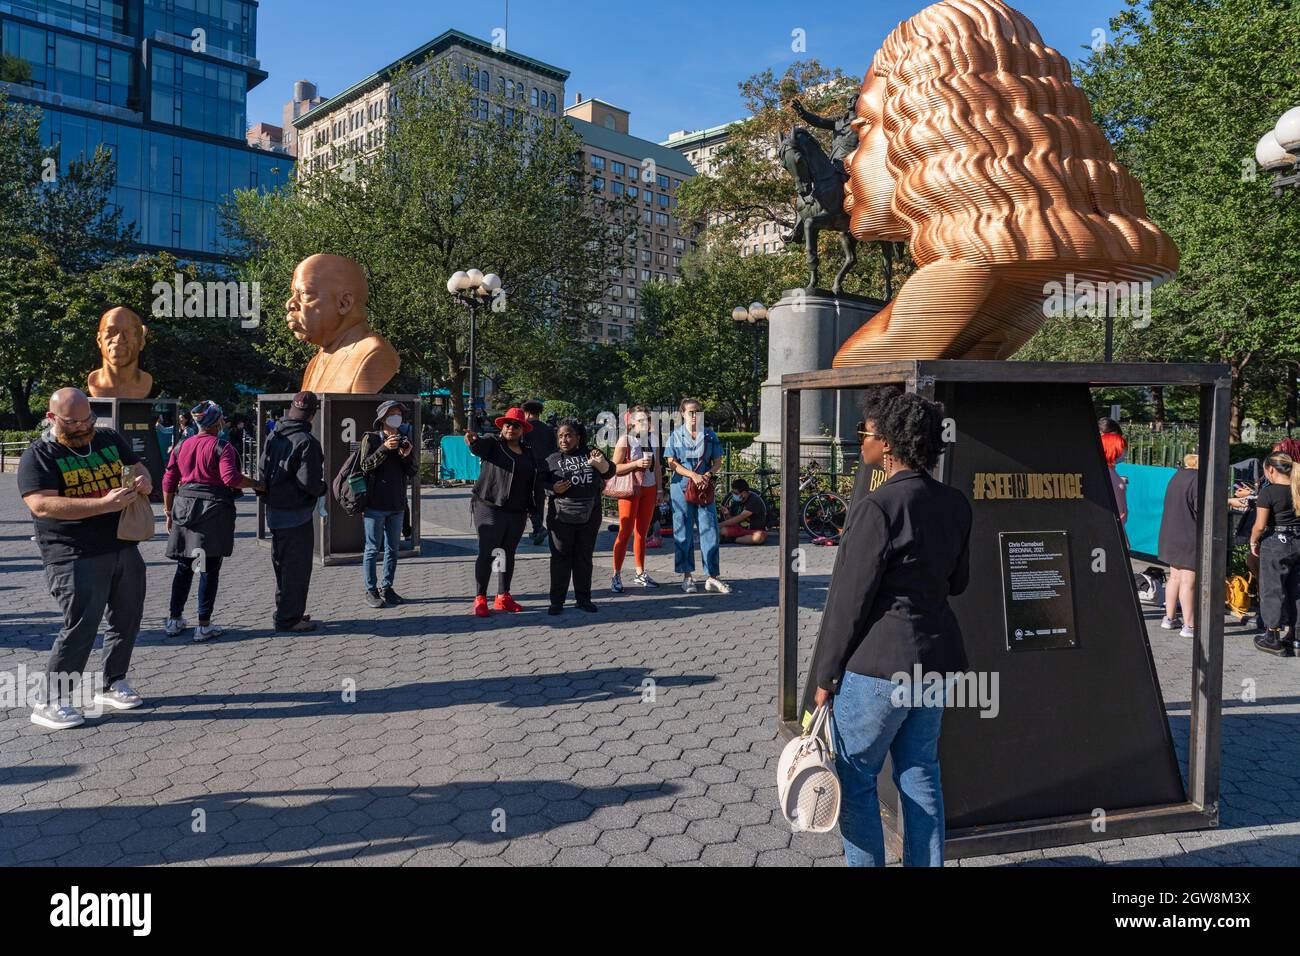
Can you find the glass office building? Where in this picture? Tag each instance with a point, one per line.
(162, 84)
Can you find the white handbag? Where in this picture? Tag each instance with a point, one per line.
(806, 784)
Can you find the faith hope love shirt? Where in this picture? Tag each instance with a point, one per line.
(85, 473)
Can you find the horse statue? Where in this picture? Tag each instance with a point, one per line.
(820, 203)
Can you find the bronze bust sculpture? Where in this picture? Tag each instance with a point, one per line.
(121, 336)
(977, 149)
(327, 307)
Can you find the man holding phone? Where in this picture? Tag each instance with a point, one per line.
(72, 479)
(388, 465)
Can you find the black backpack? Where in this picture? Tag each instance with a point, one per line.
(351, 489)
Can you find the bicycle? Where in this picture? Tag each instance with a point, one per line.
(822, 513)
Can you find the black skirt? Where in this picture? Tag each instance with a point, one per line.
(201, 519)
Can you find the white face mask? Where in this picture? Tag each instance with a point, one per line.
(393, 421)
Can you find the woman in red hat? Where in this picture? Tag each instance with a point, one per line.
(502, 498)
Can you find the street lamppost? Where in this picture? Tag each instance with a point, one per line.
(1278, 151)
(473, 288)
(756, 313)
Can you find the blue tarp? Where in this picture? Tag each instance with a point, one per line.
(458, 462)
(1146, 503)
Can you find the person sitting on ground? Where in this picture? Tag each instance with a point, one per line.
(744, 515)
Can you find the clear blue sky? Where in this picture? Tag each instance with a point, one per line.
(672, 64)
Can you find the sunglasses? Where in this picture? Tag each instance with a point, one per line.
(511, 425)
(78, 422)
(864, 434)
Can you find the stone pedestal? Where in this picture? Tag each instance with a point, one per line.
(805, 330)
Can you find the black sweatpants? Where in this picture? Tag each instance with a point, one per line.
(87, 589)
(1279, 580)
(497, 529)
(572, 546)
(291, 556)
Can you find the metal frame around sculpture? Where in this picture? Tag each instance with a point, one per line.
(1201, 810)
(323, 550)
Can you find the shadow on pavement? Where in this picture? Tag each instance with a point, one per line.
(537, 690)
(326, 824)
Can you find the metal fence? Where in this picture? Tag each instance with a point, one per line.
(10, 452)
(1146, 446)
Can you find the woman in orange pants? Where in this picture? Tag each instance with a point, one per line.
(637, 453)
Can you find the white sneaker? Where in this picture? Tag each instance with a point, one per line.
(57, 718)
(644, 580)
(717, 584)
(202, 633)
(1186, 632)
(616, 583)
(1168, 623)
(119, 697)
(175, 625)
(688, 584)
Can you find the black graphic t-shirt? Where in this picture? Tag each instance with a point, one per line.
(575, 505)
(48, 466)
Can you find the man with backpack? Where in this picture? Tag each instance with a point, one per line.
(200, 485)
(293, 474)
(387, 465)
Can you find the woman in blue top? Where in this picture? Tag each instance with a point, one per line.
(694, 455)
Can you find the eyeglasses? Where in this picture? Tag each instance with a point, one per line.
(78, 422)
(864, 434)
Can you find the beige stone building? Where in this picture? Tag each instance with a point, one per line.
(507, 87)
(700, 148)
(623, 166)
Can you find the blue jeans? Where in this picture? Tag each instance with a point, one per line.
(383, 533)
(865, 726)
(685, 516)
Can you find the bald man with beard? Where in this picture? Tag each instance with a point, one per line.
(71, 480)
(120, 338)
(327, 307)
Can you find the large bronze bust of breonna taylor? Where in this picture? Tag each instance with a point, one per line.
(327, 307)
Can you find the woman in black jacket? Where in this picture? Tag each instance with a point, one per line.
(574, 479)
(887, 622)
(500, 502)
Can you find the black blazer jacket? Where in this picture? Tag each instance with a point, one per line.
(906, 548)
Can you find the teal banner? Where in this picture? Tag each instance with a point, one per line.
(1146, 502)
(458, 462)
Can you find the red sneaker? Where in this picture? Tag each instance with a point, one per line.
(480, 606)
(505, 602)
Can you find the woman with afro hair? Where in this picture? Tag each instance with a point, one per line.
(887, 621)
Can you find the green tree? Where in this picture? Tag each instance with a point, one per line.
(443, 193)
(57, 227)
(1183, 93)
(687, 343)
(748, 185)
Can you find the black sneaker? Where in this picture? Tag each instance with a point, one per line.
(1272, 642)
(539, 537)
(374, 598)
(391, 596)
(555, 609)
(588, 607)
